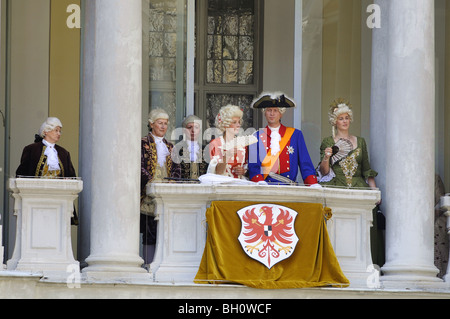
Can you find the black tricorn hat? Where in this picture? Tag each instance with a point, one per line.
(266, 100)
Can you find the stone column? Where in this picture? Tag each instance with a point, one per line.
(410, 127)
(111, 134)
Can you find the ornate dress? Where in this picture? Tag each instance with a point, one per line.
(354, 171)
(351, 171)
(152, 171)
(239, 159)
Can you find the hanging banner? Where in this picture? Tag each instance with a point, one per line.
(269, 246)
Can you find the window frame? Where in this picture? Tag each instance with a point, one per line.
(201, 88)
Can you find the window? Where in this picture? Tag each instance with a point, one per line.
(164, 56)
(227, 57)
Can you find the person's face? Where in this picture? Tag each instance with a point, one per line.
(53, 136)
(343, 122)
(235, 125)
(159, 127)
(193, 130)
(273, 116)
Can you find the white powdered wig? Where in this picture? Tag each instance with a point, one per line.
(157, 114)
(337, 108)
(49, 125)
(225, 116)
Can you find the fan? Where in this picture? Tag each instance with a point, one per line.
(341, 150)
(240, 142)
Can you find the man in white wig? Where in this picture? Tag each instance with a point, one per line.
(189, 152)
(156, 166)
(45, 158)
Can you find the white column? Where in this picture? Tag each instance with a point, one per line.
(111, 115)
(410, 127)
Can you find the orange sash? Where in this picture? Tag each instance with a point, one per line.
(270, 160)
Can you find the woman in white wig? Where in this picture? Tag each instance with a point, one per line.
(44, 158)
(156, 165)
(226, 158)
(345, 163)
(344, 157)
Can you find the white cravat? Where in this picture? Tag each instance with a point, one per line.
(52, 156)
(193, 149)
(275, 139)
(161, 150)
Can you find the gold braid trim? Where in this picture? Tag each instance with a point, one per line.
(40, 164)
(349, 166)
(42, 169)
(152, 160)
(61, 166)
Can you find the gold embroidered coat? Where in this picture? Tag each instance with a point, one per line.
(149, 162)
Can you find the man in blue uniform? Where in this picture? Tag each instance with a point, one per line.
(280, 150)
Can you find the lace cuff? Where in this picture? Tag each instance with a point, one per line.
(325, 178)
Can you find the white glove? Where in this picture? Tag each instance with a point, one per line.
(212, 166)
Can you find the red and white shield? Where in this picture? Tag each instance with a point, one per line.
(268, 233)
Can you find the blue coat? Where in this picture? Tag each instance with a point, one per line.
(295, 155)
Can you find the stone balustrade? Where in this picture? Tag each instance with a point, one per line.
(43, 208)
(182, 225)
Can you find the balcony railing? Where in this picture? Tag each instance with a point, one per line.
(44, 207)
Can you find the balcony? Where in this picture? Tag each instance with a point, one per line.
(52, 273)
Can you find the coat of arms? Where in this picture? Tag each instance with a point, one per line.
(268, 233)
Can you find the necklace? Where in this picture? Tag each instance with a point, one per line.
(337, 138)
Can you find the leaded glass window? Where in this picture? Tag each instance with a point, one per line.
(164, 23)
(230, 43)
(227, 55)
(229, 74)
(216, 101)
